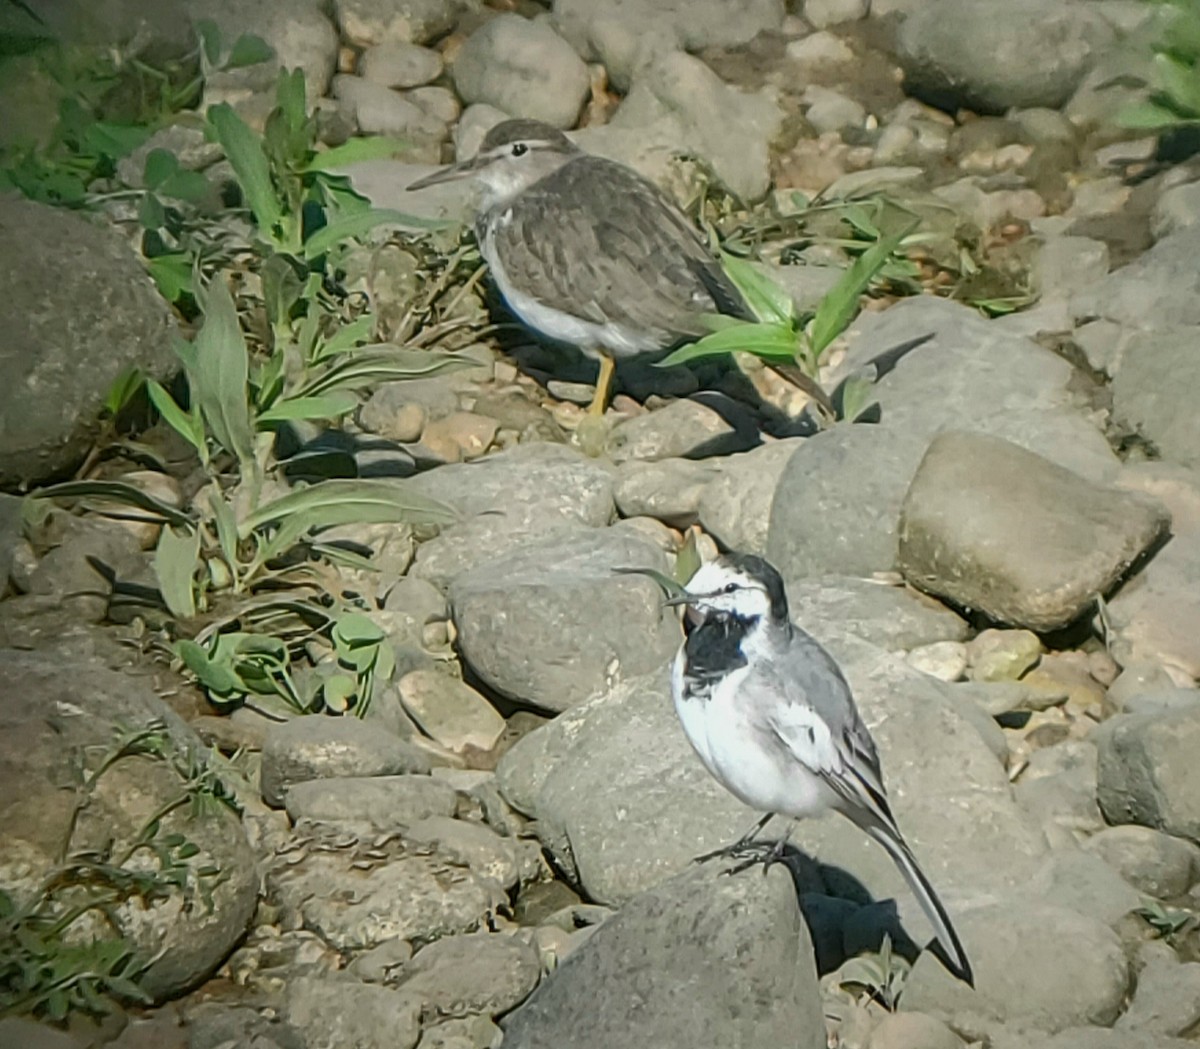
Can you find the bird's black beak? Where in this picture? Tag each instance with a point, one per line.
(449, 174)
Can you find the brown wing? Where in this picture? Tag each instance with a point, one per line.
(630, 257)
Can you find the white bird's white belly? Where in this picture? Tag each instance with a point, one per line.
(589, 337)
(767, 777)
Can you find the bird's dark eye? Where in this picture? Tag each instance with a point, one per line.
(730, 588)
(519, 149)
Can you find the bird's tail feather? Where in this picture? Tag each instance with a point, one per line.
(952, 954)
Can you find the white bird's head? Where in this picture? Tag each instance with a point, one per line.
(513, 156)
(742, 586)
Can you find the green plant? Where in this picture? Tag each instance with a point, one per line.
(1168, 921)
(1174, 99)
(52, 961)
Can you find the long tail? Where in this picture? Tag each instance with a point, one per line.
(951, 955)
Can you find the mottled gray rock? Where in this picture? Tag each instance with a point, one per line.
(353, 1015)
(988, 380)
(691, 428)
(298, 31)
(838, 500)
(524, 68)
(735, 508)
(11, 530)
(822, 13)
(1147, 771)
(400, 65)
(972, 512)
(700, 960)
(552, 623)
(367, 22)
(962, 53)
(386, 802)
(1058, 787)
(78, 310)
(470, 1032)
(1067, 264)
(478, 973)
(1167, 999)
(893, 617)
(1072, 969)
(317, 747)
(669, 490)
(1099, 1038)
(59, 713)
(1155, 617)
(378, 110)
(1081, 881)
(476, 846)
(1154, 862)
(1177, 208)
(1002, 655)
(29, 1034)
(1151, 392)
(450, 711)
(561, 489)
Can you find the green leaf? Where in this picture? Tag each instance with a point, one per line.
(150, 212)
(281, 287)
(118, 492)
(346, 338)
(290, 100)
(218, 677)
(115, 140)
(124, 388)
(336, 692)
(855, 396)
(217, 364)
(175, 560)
(190, 186)
(687, 561)
(772, 341)
(226, 525)
(1148, 116)
(248, 50)
(172, 274)
(382, 363)
(768, 301)
(244, 150)
(160, 165)
(370, 147)
(840, 305)
(1181, 83)
(354, 629)
(187, 425)
(361, 223)
(210, 39)
(328, 406)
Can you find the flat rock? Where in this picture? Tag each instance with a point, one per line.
(552, 623)
(1046, 966)
(386, 802)
(1167, 999)
(477, 973)
(669, 490)
(1099, 1038)
(700, 960)
(473, 845)
(691, 428)
(400, 65)
(1155, 863)
(60, 714)
(996, 528)
(364, 23)
(1150, 392)
(78, 310)
(450, 711)
(735, 508)
(317, 747)
(345, 1012)
(1147, 773)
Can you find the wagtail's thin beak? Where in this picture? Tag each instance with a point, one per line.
(448, 174)
(682, 599)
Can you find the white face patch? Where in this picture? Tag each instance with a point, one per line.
(724, 589)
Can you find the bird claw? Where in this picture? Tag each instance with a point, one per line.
(750, 853)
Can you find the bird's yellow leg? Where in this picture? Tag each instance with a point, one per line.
(603, 384)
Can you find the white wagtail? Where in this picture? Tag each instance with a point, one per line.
(771, 716)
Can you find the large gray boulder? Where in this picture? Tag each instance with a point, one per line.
(702, 960)
(76, 310)
(1153, 392)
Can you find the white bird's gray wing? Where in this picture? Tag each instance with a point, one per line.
(819, 723)
(629, 258)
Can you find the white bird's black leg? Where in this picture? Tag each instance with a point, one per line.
(766, 854)
(744, 845)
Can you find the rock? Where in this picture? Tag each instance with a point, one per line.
(1081, 881)
(317, 747)
(478, 973)
(694, 428)
(728, 129)
(474, 845)
(913, 1031)
(1167, 1000)
(450, 711)
(524, 68)
(1066, 265)
(79, 310)
(944, 660)
(823, 13)
(472, 1032)
(959, 54)
(1098, 1038)
(1146, 774)
(551, 623)
(27, 1034)
(838, 501)
(1150, 392)
(1155, 617)
(989, 380)
(382, 964)
(364, 23)
(830, 110)
(669, 490)
(893, 617)
(59, 715)
(460, 435)
(1154, 862)
(1058, 787)
(386, 802)
(1137, 678)
(1072, 969)
(562, 490)
(298, 31)
(11, 535)
(1178, 207)
(735, 508)
(819, 50)
(1176, 487)
(400, 65)
(971, 500)
(676, 969)
(352, 1014)
(379, 110)
(357, 894)
(1002, 655)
